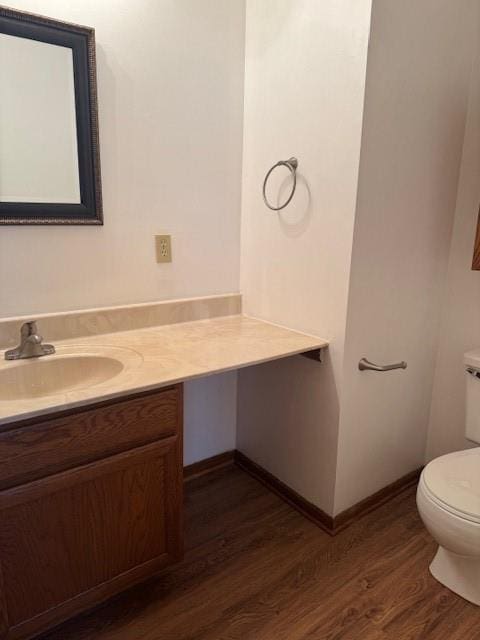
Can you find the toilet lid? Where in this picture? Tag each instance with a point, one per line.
(455, 480)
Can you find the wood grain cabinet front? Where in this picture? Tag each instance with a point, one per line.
(46, 446)
(74, 538)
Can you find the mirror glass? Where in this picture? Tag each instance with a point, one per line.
(38, 131)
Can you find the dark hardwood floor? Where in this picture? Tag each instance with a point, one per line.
(255, 569)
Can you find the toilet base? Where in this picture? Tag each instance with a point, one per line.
(461, 574)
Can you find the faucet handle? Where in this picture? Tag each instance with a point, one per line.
(28, 328)
(29, 333)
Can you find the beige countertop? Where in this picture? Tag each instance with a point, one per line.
(151, 358)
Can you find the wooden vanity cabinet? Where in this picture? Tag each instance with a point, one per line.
(90, 503)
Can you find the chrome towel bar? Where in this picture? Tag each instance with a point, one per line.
(473, 372)
(292, 165)
(366, 365)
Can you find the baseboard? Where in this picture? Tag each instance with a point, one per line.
(345, 518)
(329, 524)
(206, 466)
(309, 510)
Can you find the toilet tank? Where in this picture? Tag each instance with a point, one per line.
(472, 380)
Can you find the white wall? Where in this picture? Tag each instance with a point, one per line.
(460, 327)
(170, 76)
(416, 99)
(170, 97)
(210, 416)
(304, 87)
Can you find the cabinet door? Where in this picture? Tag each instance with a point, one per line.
(75, 538)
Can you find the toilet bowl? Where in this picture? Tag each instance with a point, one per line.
(448, 499)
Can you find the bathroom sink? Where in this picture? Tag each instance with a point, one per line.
(55, 374)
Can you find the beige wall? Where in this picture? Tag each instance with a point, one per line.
(415, 108)
(304, 88)
(170, 76)
(460, 327)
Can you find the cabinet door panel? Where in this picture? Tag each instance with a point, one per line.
(72, 532)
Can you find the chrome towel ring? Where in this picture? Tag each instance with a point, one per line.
(292, 165)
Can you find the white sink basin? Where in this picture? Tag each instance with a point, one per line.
(68, 370)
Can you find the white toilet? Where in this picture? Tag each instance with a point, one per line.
(448, 499)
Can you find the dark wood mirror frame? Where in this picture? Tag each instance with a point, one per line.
(476, 249)
(82, 42)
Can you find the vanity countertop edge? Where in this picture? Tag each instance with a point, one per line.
(164, 355)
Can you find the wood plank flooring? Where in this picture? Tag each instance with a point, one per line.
(255, 569)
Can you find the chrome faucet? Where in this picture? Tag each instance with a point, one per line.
(30, 344)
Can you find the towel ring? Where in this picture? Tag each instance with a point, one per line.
(292, 165)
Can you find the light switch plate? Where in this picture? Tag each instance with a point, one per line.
(163, 248)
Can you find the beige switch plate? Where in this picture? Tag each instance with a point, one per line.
(163, 247)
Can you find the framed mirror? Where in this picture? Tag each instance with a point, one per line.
(49, 152)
